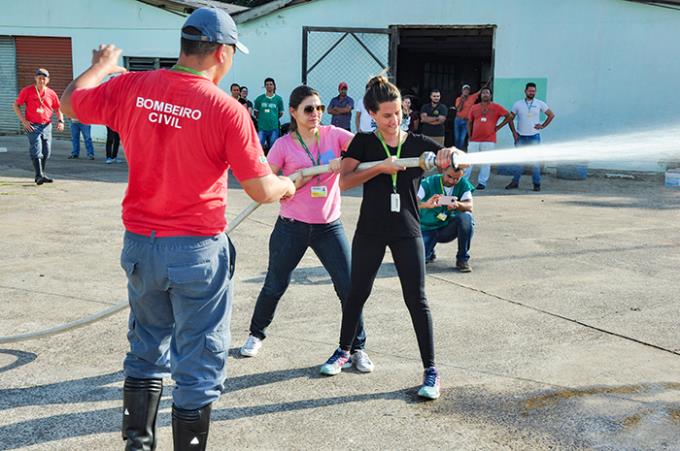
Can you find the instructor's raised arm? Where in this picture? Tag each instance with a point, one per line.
(104, 63)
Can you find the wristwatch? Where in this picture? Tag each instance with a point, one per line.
(61, 121)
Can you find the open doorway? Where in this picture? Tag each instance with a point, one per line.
(445, 58)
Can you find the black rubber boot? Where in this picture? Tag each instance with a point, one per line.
(39, 179)
(46, 179)
(190, 428)
(140, 408)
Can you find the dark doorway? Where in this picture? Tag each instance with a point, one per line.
(445, 58)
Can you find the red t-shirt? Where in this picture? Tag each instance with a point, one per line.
(38, 112)
(484, 120)
(180, 133)
(464, 110)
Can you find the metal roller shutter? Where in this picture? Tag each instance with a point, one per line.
(8, 86)
(54, 54)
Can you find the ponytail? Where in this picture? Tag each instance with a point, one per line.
(379, 90)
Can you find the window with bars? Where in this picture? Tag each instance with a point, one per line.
(144, 63)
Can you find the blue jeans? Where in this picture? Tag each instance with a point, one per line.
(460, 132)
(180, 294)
(40, 141)
(287, 245)
(517, 170)
(267, 137)
(76, 129)
(461, 226)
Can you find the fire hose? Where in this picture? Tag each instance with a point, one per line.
(427, 162)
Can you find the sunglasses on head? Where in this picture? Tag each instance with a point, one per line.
(309, 109)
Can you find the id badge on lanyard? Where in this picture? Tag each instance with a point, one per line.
(317, 191)
(395, 203)
(395, 199)
(529, 107)
(40, 109)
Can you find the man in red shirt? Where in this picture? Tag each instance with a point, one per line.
(463, 104)
(40, 102)
(482, 128)
(180, 133)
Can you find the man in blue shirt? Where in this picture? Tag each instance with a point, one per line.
(341, 108)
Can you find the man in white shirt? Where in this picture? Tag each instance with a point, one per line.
(528, 132)
(364, 121)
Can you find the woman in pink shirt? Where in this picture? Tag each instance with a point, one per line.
(311, 218)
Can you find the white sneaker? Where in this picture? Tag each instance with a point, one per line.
(251, 347)
(109, 161)
(361, 361)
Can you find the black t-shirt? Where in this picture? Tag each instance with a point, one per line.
(375, 217)
(438, 111)
(248, 104)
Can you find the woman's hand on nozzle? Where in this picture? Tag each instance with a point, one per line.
(448, 156)
(391, 166)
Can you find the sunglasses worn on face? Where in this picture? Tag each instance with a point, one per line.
(309, 109)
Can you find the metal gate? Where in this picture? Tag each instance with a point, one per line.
(8, 85)
(331, 55)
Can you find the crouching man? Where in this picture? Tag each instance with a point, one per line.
(446, 214)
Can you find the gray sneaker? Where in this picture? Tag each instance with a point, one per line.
(361, 361)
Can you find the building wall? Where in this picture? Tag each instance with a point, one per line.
(139, 29)
(609, 65)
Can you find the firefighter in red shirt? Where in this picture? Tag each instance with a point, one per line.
(40, 102)
(181, 133)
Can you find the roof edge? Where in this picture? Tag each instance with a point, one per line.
(185, 7)
(264, 10)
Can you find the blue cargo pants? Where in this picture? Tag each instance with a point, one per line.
(180, 293)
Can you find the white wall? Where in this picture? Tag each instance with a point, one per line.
(611, 65)
(137, 28)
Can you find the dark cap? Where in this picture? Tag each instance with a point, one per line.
(215, 25)
(42, 72)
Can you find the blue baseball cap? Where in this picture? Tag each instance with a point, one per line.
(215, 25)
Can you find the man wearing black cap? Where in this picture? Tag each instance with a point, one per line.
(40, 102)
(181, 133)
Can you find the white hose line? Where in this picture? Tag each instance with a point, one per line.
(324, 169)
(426, 161)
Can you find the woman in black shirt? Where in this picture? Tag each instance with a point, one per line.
(389, 217)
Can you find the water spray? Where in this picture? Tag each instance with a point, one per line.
(659, 145)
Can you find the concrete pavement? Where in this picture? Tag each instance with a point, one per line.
(564, 336)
